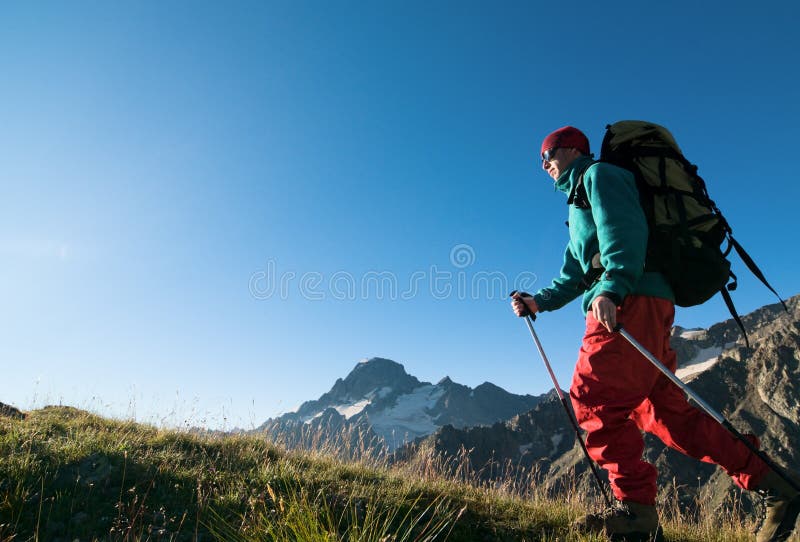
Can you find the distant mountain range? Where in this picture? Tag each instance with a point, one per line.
(393, 408)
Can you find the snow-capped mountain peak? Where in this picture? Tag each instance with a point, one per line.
(398, 408)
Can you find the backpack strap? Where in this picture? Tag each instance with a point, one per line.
(578, 196)
(589, 278)
(729, 302)
(580, 199)
(751, 265)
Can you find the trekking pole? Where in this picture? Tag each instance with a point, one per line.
(529, 318)
(707, 408)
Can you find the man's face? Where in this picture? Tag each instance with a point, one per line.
(556, 161)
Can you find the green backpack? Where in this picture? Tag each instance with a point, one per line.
(687, 230)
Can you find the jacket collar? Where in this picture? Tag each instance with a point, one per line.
(567, 180)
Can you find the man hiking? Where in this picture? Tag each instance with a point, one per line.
(615, 392)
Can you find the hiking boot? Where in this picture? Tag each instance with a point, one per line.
(782, 502)
(626, 521)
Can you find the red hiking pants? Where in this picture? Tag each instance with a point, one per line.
(617, 393)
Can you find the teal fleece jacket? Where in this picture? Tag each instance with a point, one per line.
(614, 226)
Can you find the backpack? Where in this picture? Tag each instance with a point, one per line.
(687, 230)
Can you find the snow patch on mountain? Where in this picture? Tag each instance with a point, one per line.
(702, 361)
(408, 418)
(350, 410)
(308, 419)
(693, 334)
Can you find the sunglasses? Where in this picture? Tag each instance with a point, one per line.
(549, 154)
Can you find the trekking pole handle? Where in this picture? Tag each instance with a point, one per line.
(528, 313)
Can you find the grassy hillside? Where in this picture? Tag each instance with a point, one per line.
(69, 475)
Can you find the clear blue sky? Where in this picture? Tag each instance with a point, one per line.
(157, 159)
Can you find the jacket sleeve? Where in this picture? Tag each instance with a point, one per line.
(621, 229)
(564, 288)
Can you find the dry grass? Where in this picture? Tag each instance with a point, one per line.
(66, 474)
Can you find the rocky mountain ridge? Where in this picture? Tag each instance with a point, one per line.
(388, 407)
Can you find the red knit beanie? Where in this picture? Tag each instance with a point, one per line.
(566, 137)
